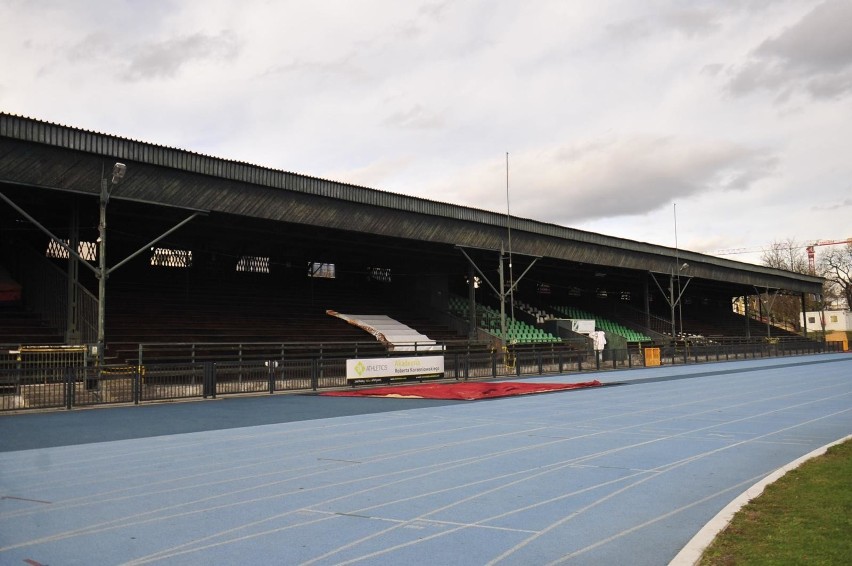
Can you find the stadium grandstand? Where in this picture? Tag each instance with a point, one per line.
(199, 250)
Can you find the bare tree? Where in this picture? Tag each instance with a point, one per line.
(788, 255)
(835, 265)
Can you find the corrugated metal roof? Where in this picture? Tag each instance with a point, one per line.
(544, 238)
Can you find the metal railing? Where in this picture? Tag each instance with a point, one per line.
(44, 386)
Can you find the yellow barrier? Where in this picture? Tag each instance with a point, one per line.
(652, 357)
(838, 337)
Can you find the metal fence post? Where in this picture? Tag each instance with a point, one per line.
(493, 364)
(314, 374)
(205, 380)
(208, 381)
(93, 383)
(69, 387)
(271, 375)
(137, 385)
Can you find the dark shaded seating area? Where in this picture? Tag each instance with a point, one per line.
(21, 326)
(249, 308)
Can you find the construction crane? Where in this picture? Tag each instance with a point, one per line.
(736, 251)
(812, 253)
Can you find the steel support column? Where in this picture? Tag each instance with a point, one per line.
(72, 320)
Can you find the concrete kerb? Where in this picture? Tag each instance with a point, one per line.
(694, 549)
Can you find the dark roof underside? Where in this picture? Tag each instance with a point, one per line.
(256, 208)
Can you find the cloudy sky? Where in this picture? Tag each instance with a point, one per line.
(733, 117)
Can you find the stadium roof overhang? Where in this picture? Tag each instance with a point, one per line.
(44, 164)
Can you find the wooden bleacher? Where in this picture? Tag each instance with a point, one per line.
(248, 309)
(20, 326)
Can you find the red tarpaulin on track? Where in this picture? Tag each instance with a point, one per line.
(467, 391)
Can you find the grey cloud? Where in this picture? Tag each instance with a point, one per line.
(94, 46)
(846, 203)
(821, 41)
(340, 68)
(638, 28)
(686, 20)
(814, 56)
(434, 10)
(712, 69)
(691, 21)
(164, 59)
(612, 178)
(416, 118)
(832, 86)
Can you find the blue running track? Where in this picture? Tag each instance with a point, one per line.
(623, 474)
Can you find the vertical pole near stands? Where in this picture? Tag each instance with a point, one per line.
(118, 171)
(137, 385)
(69, 387)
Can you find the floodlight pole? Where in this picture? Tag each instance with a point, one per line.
(511, 275)
(671, 280)
(672, 302)
(672, 299)
(502, 298)
(118, 171)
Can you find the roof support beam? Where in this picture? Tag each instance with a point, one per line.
(50, 234)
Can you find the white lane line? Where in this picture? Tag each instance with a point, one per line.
(182, 549)
(100, 498)
(558, 523)
(666, 469)
(135, 519)
(423, 516)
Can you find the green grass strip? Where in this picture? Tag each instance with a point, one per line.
(803, 518)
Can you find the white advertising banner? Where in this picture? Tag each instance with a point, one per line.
(378, 368)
